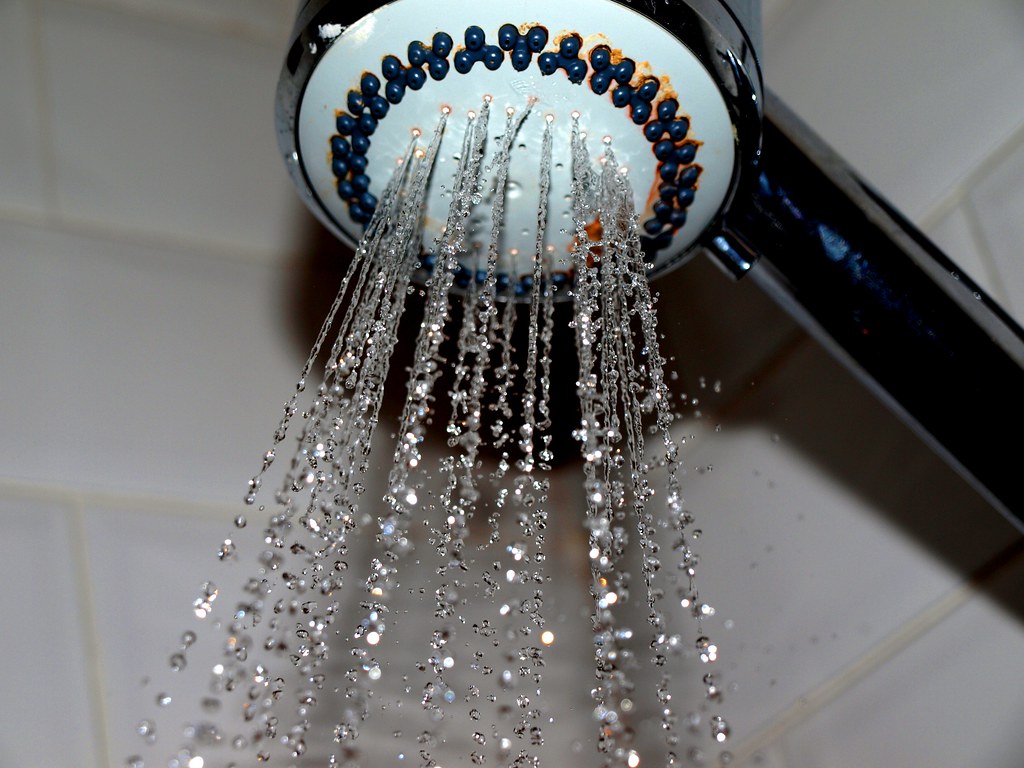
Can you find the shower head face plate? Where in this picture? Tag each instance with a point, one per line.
(630, 83)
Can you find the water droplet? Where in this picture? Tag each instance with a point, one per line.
(147, 730)
(719, 729)
(706, 650)
(227, 550)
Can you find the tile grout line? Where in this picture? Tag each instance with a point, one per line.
(977, 232)
(182, 508)
(74, 227)
(960, 191)
(85, 592)
(882, 652)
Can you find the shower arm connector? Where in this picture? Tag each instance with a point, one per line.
(884, 300)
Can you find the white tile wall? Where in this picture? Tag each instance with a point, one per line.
(166, 130)
(847, 524)
(999, 202)
(912, 92)
(141, 554)
(912, 711)
(256, 19)
(22, 137)
(772, 11)
(138, 368)
(50, 710)
(148, 300)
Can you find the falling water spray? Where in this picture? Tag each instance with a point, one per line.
(492, 161)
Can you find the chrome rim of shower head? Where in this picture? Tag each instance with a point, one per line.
(675, 87)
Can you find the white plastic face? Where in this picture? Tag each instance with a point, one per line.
(626, 77)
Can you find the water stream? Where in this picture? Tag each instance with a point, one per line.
(408, 622)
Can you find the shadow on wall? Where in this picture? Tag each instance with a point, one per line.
(837, 425)
(780, 381)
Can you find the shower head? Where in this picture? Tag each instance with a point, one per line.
(673, 87)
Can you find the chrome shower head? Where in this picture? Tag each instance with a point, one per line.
(675, 88)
